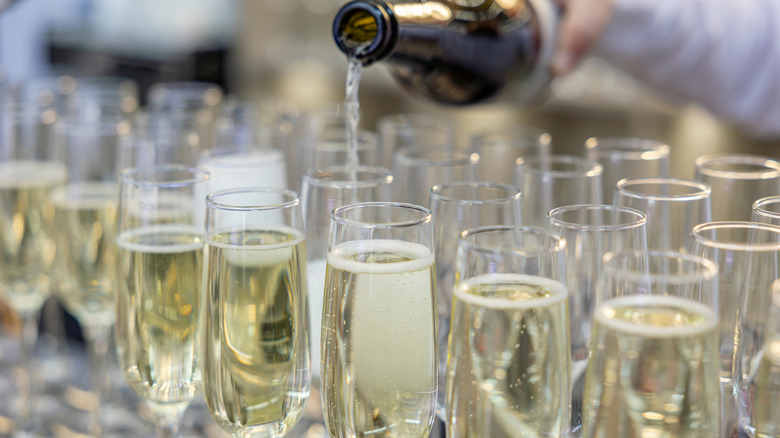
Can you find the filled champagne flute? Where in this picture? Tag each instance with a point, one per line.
(379, 364)
(29, 172)
(159, 287)
(255, 328)
(508, 371)
(85, 231)
(653, 369)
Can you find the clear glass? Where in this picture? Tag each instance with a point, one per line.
(95, 97)
(673, 207)
(508, 371)
(231, 168)
(590, 231)
(767, 210)
(499, 147)
(323, 190)
(455, 207)
(308, 128)
(255, 328)
(379, 355)
(331, 148)
(747, 255)
(417, 169)
(29, 172)
(555, 181)
(159, 294)
(144, 148)
(627, 157)
(760, 416)
(737, 181)
(85, 269)
(653, 368)
(399, 131)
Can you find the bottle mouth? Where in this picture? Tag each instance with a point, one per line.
(362, 29)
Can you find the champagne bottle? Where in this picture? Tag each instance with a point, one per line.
(454, 51)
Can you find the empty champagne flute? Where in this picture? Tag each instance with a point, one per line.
(737, 181)
(673, 207)
(190, 104)
(747, 255)
(455, 207)
(628, 157)
(429, 130)
(417, 169)
(159, 288)
(499, 147)
(379, 350)
(653, 368)
(508, 371)
(554, 181)
(761, 417)
(590, 231)
(255, 328)
(766, 210)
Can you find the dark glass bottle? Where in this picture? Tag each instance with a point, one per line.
(454, 51)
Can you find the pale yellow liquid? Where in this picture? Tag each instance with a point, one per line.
(765, 408)
(653, 370)
(86, 270)
(255, 338)
(26, 219)
(158, 302)
(509, 356)
(379, 340)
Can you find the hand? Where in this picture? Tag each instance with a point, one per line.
(581, 26)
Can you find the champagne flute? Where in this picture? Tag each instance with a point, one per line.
(554, 181)
(397, 131)
(379, 350)
(737, 181)
(747, 255)
(590, 230)
(508, 371)
(85, 233)
(499, 147)
(28, 174)
(255, 339)
(417, 169)
(455, 207)
(159, 296)
(653, 368)
(766, 210)
(673, 207)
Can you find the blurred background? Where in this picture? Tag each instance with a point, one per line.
(261, 49)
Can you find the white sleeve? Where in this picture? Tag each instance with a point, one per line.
(723, 54)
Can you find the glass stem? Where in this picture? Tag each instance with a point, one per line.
(167, 418)
(27, 389)
(97, 351)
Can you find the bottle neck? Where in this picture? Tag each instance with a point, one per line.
(366, 30)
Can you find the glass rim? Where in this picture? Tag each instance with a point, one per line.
(637, 148)
(558, 242)
(758, 206)
(197, 176)
(454, 158)
(415, 120)
(641, 217)
(380, 176)
(512, 192)
(709, 269)
(594, 170)
(213, 203)
(703, 162)
(211, 154)
(337, 215)
(704, 189)
(731, 245)
(366, 139)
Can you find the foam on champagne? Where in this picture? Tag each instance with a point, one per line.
(669, 316)
(344, 256)
(549, 292)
